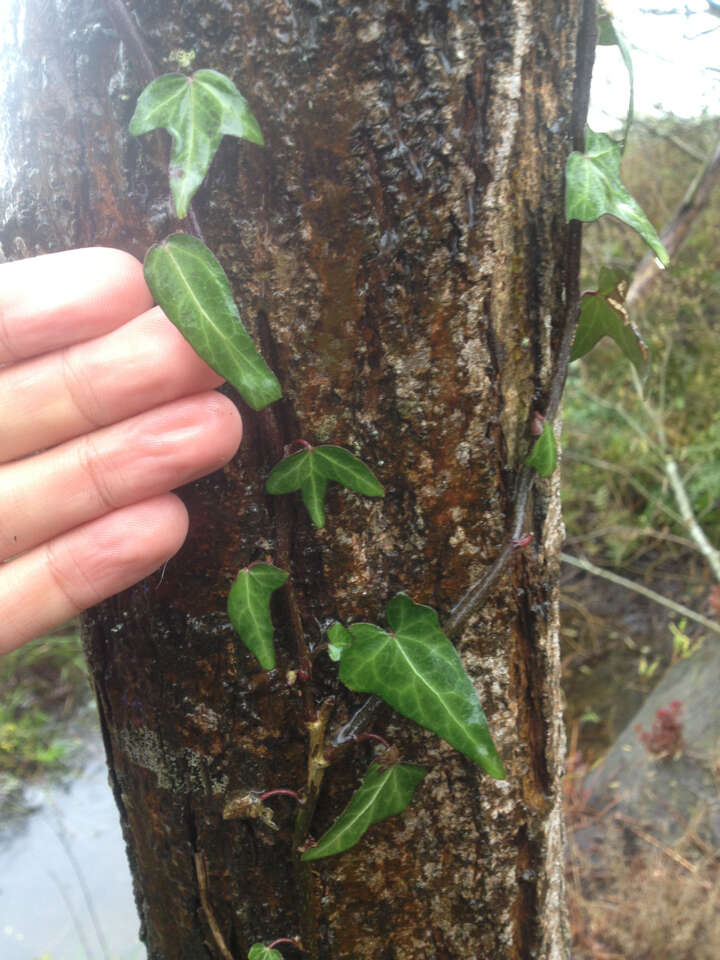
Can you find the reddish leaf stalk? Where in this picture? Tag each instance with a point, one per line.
(280, 792)
(372, 736)
(293, 943)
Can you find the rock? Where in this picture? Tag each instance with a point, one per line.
(663, 794)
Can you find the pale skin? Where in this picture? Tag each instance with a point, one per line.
(122, 410)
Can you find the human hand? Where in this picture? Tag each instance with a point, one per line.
(123, 411)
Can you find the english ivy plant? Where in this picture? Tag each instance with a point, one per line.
(249, 609)
(411, 664)
(594, 188)
(603, 314)
(193, 290)
(414, 667)
(310, 470)
(197, 112)
(384, 792)
(544, 456)
(258, 951)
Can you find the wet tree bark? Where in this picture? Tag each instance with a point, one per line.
(399, 251)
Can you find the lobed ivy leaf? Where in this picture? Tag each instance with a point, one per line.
(414, 667)
(310, 470)
(191, 287)
(196, 111)
(384, 792)
(339, 638)
(249, 609)
(603, 314)
(543, 456)
(593, 188)
(610, 36)
(258, 951)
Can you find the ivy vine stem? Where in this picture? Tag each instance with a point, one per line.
(476, 595)
(283, 527)
(317, 765)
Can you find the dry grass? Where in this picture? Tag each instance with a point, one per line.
(631, 897)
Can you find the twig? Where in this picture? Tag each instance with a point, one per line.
(696, 532)
(201, 871)
(668, 851)
(693, 204)
(686, 148)
(679, 608)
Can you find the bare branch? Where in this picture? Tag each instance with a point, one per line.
(678, 608)
(693, 204)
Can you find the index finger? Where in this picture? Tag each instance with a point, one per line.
(58, 299)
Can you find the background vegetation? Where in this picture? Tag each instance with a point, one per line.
(644, 899)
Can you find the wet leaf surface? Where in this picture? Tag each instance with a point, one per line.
(414, 667)
(249, 609)
(383, 793)
(197, 112)
(191, 287)
(310, 470)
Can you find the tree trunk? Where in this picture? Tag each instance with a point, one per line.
(399, 251)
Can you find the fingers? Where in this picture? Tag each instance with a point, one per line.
(62, 298)
(79, 481)
(54, 582)
(61, 395)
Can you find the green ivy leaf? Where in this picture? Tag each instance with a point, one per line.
(603, 314)
(310, 470)
(593, 188)
(249, 609)
(610, 36)
(258, 951)
(338, 640)
(414, 667)
(196, 111)
(191, 287)
(384, 792)
(543, 456)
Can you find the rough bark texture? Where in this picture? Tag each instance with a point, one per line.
(398, 249)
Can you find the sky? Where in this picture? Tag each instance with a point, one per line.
(676, 61)
(675, 48)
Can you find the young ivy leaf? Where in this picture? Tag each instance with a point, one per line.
(310, 470)
(610, 36)
(258, 951)
(603, 314)
(338, 640)
(543, 456)
(191, 287)
(196, 111)
(383, 793)
(593, 188)
(414, 667)
(249, 609)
